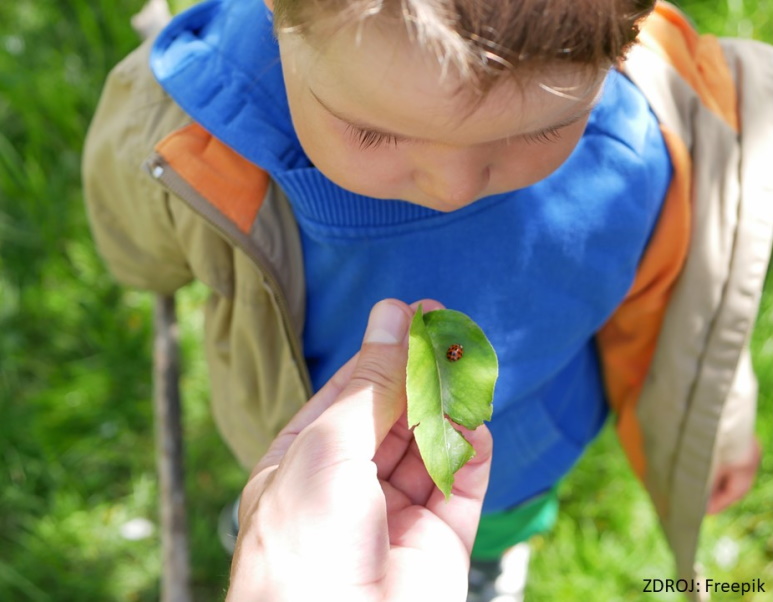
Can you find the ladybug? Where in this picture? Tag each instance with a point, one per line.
(454, 353)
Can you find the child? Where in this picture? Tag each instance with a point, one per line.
(602, 220)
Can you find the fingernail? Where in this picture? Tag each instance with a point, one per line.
(387, 324)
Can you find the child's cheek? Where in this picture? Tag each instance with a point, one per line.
(374, 172)
(540, 160)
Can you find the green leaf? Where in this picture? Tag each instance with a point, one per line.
(439, 389)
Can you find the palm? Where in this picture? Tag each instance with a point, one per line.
(425, 547)
(394, 536)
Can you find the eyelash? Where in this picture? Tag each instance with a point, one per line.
(370, 139)
(544, 137)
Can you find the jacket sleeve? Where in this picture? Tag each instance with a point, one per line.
(129, 212)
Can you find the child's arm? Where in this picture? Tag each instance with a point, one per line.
(132, 218)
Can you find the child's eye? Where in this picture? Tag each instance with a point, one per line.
(371, 139)
(544, 137)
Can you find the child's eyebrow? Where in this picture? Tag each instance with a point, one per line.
(355, 123)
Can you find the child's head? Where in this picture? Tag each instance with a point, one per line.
(442, 102)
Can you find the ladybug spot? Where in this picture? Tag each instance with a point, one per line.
(454, 353)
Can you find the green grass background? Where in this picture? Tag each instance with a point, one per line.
(76, 430)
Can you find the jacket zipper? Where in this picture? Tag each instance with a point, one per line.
(163, 173)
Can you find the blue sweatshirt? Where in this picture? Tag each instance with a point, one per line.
(540, 269)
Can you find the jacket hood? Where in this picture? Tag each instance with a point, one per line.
(220, 62)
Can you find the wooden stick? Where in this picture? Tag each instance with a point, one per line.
(175, 580)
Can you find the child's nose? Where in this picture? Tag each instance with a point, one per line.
(454, 176)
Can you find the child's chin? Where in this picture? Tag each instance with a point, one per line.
(445, 206)
(418, 198)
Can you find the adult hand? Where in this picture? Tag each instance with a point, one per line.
(342, 506)
(734, 479)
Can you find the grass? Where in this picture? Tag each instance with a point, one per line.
(76, 436)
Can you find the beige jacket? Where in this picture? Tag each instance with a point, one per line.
(167, 205)
(698, 404)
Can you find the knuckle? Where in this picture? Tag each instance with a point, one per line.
(380, 372)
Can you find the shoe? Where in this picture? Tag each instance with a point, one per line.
(228, 526)
(501, 580)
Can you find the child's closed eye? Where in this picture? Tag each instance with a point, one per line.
(371, 138)
(545, 136)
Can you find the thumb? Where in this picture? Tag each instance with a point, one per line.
(374, 398)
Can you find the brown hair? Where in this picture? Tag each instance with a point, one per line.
(484, 39)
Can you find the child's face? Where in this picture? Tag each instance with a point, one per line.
(376, 118)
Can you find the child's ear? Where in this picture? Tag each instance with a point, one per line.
(270, 4)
